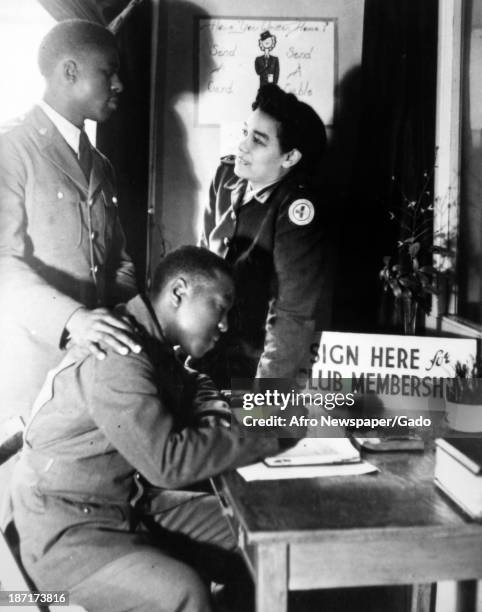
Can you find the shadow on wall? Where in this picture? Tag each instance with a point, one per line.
(181, 183)
(339, 165)
(396, 132)
(335, 188)
(177, 212)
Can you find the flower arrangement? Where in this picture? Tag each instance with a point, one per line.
(410, 275)
(466, 385)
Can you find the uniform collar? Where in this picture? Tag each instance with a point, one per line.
(260, 195)
(147, 325)
(140, 308)
(56, 148)
(236, 185)
(69, 131)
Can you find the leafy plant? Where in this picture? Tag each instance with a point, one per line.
(466, 385)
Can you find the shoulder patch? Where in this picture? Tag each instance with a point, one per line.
(301, 212)
(228, 159)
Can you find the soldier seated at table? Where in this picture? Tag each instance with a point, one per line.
(109, 438)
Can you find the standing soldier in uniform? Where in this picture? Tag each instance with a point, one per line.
(62, 249)
(263, 217)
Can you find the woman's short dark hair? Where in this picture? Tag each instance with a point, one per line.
(72, 36)
(299, 126)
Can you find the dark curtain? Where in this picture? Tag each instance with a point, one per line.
(125, 137)
(396, 139)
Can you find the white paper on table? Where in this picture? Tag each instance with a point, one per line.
(260, 471)
(316, 451)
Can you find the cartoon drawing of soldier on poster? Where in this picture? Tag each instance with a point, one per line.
(267, 65)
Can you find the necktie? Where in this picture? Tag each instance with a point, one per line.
(85, 154)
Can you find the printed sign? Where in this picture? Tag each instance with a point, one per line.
(406, 366)
(236, 56)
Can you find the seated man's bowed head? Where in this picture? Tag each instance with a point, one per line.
(109, 439)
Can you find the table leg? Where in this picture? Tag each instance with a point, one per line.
(423, 597)
(271, 569)
(466, 596)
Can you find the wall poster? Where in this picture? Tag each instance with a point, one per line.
(237, 55)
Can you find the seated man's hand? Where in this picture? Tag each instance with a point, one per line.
(99, 329)
(212, 420)
(213, 412)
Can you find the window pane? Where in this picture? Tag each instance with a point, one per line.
(470, 236)
(23, 23)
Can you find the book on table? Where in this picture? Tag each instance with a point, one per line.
(458, 472)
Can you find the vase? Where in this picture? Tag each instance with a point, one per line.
(463, 417)
(408, 315)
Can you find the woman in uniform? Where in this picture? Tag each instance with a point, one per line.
(263, 216)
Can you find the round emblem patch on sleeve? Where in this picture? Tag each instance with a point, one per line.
(301, 212)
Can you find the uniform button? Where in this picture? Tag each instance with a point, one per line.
(226, 241)
(86, 510)
(90, 202)
(60, 195)
(233, 216)
(114, 199)
(138, 476)
(92, 235)
(94, 269)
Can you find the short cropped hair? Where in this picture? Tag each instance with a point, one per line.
(72, 36)
(299, 125)
(197, 262)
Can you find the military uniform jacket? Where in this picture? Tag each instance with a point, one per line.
(96, 425)
(274, 242)
(61, 246)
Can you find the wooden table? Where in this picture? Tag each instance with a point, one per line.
(391, 528)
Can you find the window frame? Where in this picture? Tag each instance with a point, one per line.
(448, 167)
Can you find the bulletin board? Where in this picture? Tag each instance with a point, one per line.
(230, 64)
